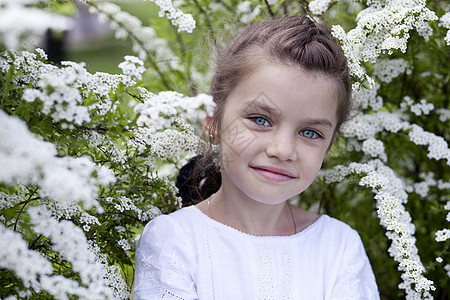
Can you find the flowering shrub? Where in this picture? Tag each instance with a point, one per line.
(88, 159)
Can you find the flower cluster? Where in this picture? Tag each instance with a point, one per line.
(133, 67)
(445, 22)
(72, 211)
(123, 203)
(17, 31)
(28, 160)
(437, 146)
(388, 69)
(318, 7)
(422, 188)
(157, 111)
(70, 242)
(171, 143)
(444, 114)
(391, 196)
(27, 67)
(111, 273)
(374, 148)
(383, 27)
(444, 234)
(37, 273)
(417, 108)
(61, 89)
(164, 126)
(27, 264)
(60, 99)
(185, 22)
(7, 201)
(364, 98)
(125, 245)
(367, 126)
(248, 11)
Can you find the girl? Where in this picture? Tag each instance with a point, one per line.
(282, 92)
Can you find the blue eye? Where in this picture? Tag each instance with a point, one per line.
(310, 134)
(260, 121)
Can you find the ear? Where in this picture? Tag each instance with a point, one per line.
(207, 123)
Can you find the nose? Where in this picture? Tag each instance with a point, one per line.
(282, 145)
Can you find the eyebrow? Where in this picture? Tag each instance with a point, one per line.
(264, 107)
(325, 122)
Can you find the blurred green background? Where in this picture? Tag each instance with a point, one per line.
(103, 53)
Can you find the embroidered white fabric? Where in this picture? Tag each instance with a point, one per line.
(187, 255)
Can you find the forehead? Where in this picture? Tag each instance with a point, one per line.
(284, 90)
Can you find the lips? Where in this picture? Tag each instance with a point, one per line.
(273, 174)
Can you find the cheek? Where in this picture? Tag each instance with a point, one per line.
(236, 139)
(313, 161)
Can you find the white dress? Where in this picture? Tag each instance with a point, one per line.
(187, 255)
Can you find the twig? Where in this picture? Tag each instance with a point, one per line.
(24, 204)
(307, 11)
(96, 128)
(269, 9)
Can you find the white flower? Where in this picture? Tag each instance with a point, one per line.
(382, 28)
(126, 204)
(318, 7)
(417, 108)
(442, 235)
(365, 97)
(247, 11)
(21, 25)
(185, 22)
(26, 264)
(374, 148)
(60, 99)
(132, 66)
(390, 196)
(447, 268)
(157, 111)
(70, 242)
(444, 114)
(445, 22)
(437, 146)
(388, 69)
(125, 245)
(28, 160)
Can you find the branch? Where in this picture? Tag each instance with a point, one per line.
(96, 128)
(24, 203)
(269, 9)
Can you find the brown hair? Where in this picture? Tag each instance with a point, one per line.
(296, 41)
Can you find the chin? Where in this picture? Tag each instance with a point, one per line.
(269, 200)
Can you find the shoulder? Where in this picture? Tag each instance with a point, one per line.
(337, 232)
(178, 223)
(169, 234)
(335, 225)
(322, 225)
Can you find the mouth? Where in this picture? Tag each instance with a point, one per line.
(274, 174)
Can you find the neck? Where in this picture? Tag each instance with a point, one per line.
(250, 216)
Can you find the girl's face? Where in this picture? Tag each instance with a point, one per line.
(276, 129)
